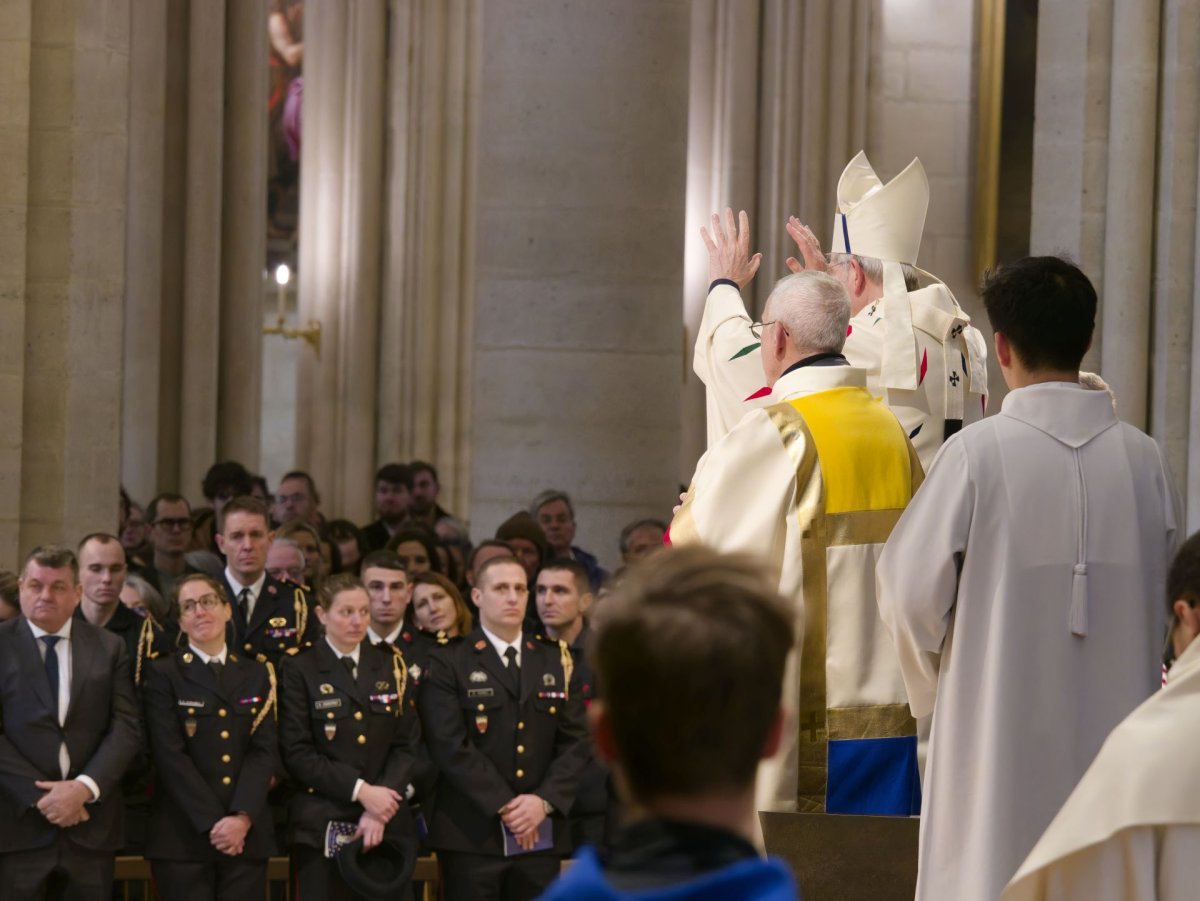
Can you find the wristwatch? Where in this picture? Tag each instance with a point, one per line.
(547, 807)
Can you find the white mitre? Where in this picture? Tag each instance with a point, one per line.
(886, 222)
(878, 220)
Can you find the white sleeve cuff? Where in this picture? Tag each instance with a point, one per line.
(92, 786)
(358, 784)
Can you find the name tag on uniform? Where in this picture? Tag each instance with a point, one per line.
(480, 692)
(326, 703)
(183, 703)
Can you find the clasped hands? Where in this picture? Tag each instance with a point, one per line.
(380, 804)
(63, 803)
(523, 815)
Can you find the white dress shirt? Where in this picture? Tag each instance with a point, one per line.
(63, 651)
(206, 659)
(390, 638)
(501, 645)
(238, 588)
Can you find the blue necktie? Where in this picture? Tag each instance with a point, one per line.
(52, 667)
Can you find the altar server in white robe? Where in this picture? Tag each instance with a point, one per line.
(1019, 588)
(920, 351)
(1131, 829)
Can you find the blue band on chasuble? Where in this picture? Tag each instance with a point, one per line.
(874, 776)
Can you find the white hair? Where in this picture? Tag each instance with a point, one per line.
(814, 308)
(288, 543)
(873, 269)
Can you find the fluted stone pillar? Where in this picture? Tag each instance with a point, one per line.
(1116, 142)
(16, 50)
(66, 70)
(201, 345)
(424, 406)
(143, 249)
(341, 220)
(243, 233)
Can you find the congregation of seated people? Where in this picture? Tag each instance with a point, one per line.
(262, 680)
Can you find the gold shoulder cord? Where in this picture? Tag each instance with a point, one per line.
(400, 672)
(568, 666)
(145, 649)
(270, 705)
(301, 615)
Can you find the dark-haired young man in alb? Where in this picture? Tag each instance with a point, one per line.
(1015, 587)
(690, 656)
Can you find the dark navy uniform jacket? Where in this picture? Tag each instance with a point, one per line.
(491, 743)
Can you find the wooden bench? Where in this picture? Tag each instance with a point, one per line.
(132, 870)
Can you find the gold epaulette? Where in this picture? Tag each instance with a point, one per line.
(270, 704)
(145, 649)
(400, 673)
(301, 606)
(568, 665)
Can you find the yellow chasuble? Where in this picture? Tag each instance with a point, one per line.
(814, 485)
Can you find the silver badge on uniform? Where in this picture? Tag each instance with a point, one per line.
(330, 730)
(548, 679)
(478, 676)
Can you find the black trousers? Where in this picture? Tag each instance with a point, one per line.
(234, 879)
(62, 871)
(480, 877)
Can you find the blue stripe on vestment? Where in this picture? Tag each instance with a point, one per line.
(875, 776)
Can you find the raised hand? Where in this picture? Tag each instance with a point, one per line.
(729, 249)
(812, 259)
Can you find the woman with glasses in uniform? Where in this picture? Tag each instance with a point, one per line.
(210, 723)
(347, 741)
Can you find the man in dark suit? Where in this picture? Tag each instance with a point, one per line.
(70, 732)
(393, 491)
(504, 722)
(269, 617)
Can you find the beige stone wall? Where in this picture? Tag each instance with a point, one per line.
(580, 180)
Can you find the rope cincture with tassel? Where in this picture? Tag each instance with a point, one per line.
(568, 665)
(270, 705)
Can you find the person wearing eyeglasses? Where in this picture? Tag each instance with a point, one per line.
(812, 485)
(211, 726)
(169, 517)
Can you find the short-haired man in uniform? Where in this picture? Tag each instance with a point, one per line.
(564, 595)
(504, 721)
(269, 617)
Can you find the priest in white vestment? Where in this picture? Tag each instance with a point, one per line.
(1131, 829)
(920, 351)
(1020, 588)
(812, 486)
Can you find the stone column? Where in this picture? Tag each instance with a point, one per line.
(16, 50)
(1115, 185)
(424, 408)
(579, 249)
(200, 338)
(74, 90)
(144, 248)
(243, 232)
(1129, 206)
(340, 265)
